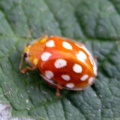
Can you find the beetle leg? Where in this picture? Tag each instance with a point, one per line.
(58, 88)
(28, 69)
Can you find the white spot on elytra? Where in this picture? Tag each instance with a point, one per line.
(91, 80)
(50, 43)
(93, 62)
(70, 85)
(84, 77)
(45, 56)
(67, 45)
(95, 68)
(60, 63)
(49, 74)
(65, 77)
(77, 68)
(81, 56)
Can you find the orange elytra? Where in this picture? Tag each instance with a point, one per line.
(63, 63)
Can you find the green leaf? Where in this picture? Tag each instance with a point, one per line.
(28, 97)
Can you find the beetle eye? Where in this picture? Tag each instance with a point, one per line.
(25, 55)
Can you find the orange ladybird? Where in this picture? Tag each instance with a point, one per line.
(63, 63)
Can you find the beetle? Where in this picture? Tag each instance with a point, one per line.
(62, 62)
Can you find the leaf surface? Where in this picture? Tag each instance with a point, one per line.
(95, 23)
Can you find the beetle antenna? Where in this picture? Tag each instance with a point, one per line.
(28, 38)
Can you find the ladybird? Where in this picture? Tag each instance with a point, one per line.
(62, 62)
